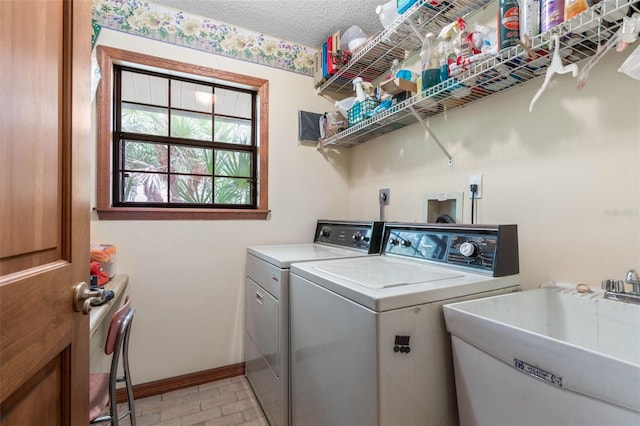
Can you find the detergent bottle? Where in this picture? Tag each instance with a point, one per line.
(430, 62)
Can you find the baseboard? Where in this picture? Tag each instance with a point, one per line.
(158, 387)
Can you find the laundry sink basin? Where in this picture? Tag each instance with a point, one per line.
(552, 340)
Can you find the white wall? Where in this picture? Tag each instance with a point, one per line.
(187, 277)
(568, 173)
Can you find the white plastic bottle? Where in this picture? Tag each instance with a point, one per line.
(387, 13)
(430, 62)
(357, 86)
(529, 19)
(395, 66)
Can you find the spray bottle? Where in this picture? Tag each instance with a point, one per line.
(357, 86)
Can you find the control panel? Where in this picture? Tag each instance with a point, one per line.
(366, 236)
(490, 249)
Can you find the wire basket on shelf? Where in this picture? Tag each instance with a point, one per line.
(359, 110)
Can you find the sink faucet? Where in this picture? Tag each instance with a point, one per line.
(614, 289)
(632, 278)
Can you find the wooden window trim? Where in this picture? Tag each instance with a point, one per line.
(107, 56)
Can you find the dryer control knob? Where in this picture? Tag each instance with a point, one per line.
(469, 249)
(393, 241)
(358, 237)
(406, 243)
(324, 233)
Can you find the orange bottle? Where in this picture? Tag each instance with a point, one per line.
(573, 7)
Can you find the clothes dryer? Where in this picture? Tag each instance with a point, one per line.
(267, 304)
(368, 339)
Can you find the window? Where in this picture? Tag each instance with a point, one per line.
(180, 141)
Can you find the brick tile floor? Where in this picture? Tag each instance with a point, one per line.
(228, 402)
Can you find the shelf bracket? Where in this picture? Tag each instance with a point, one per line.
(435, 138)
(415, 30)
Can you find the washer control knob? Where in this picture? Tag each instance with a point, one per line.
(358, 237)
(325, 233)
(469, 249)
(406, 243)
(393, 241)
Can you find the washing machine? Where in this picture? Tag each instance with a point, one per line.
(368, 339)
(267, 304)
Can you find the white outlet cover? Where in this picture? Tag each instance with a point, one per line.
(476, 179)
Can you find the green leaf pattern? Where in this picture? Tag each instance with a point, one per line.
(227, 178)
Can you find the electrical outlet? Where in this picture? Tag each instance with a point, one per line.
(384, 197)
(476, 179)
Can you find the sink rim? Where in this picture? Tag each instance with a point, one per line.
(584, 370)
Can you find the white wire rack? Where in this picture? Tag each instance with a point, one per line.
(579, 39)
(404, 35)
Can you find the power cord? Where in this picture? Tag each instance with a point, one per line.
(474, 189)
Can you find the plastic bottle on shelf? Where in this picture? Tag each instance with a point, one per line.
(395, 66)
(573, 7)
(387, 13)
(357, 86)
(430, 62)
(345, 105)
(447, 55)
(508, 23)
(529, 19)
(551, 14)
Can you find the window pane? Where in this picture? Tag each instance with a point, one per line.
(191, 96)
(233, 131)
(232, 191)
(230, 102)
(196, 161)
(149, 157)
(144, 119)
(233, 163)
(190, 125)
(181, 138)
(144, 187)
(191, 189)
(144, 89)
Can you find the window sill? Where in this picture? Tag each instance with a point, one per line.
(146, 213)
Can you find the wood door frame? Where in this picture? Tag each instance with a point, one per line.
(76, 207)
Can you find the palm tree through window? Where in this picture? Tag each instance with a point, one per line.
(182, 142)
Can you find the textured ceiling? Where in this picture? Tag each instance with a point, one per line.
(307, 22)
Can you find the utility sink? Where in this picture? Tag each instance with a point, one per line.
(569, 357)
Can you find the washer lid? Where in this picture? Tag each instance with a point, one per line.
(379, 275)
(383, 283)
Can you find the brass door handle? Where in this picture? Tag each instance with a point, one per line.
(82, 296)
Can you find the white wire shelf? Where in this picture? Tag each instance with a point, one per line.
(404, 35)
(579, 39)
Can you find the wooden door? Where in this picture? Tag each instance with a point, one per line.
(45, 48)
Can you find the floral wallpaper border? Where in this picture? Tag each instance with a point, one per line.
(146, 19)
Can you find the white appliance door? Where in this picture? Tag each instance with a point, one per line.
(262, 323)
(327, 331)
